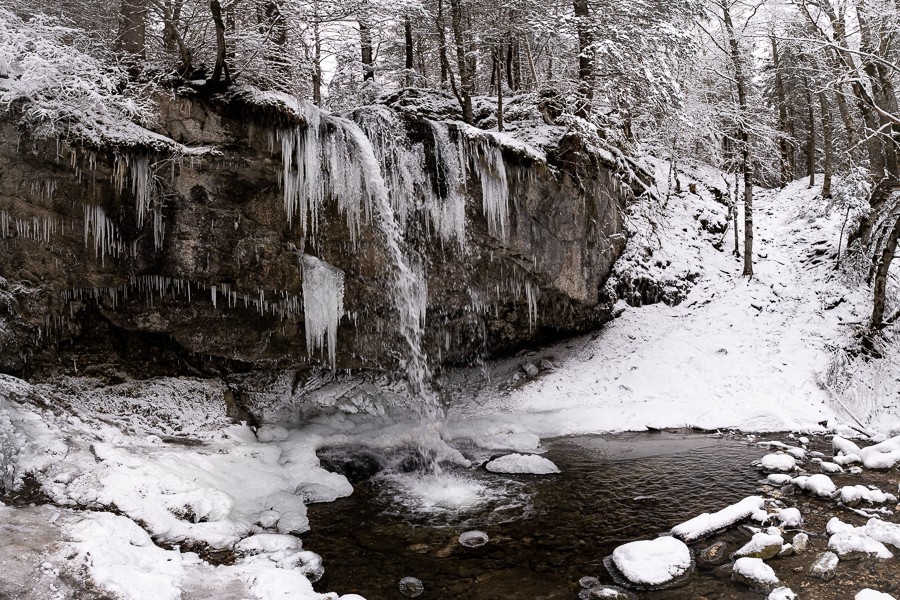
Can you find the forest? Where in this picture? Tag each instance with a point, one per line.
(523, 299)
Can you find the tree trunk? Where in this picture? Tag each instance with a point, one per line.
(221, 68)
(317, 65)
(463, 64)
(410, 56)
(171, 17)
(585, 56)
(131, 43)
(881, 277)
(810, 135)
(827, 144)
(365, 44)
(849, 122)
(782, 116)
(499, 91)
(741, 81)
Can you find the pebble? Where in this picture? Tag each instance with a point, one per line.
(411, 587)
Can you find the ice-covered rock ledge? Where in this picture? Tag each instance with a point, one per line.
(471, 242)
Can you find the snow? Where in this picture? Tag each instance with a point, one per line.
(782, 593)
(749, 354)
(522, 464)
(851, 494)
(883, 455)
(652, 562)
(835, 525)
(884, 532)
(846, 542)
(869, 594)
(790, 517)
(755, 569)
(779, 478)
(818, 484)
(705, 524)
(778, 462)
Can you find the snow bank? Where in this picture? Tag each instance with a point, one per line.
(653, 562)
(705, 524)
(531, 464)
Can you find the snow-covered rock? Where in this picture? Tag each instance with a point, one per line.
(653, 563)
(761, 545)
(778, 462)
(870, 594)
(856, 543)
(708, 523)
(818, 484)
(530, 464)
(790, 517)
(755, 573)
(825, 566)
(782, 593)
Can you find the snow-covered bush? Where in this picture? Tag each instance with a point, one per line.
(57, 89)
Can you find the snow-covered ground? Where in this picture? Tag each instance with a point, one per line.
(755, 354)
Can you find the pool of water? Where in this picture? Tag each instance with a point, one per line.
(546, 532)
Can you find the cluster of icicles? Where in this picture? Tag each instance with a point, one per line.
(373, 175)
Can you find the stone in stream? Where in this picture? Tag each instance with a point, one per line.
(800, 543)
(658, 564)
(754, 573)
(825, 566)
(761, 545)
(530, 370)
(473, 539)
(782, 593)
(605, 592)
(587, 582)
(411, 587)
(712, 556)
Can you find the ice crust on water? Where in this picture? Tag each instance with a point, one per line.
(530, 464)
(652, 562)
(756, 569)
(323, 304)
(705, 524)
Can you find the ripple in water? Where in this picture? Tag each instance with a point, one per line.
(452, 498)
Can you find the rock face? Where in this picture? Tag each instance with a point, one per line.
(183, 259)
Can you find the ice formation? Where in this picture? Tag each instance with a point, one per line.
(323, 304)
(530, 464)
(104, 232)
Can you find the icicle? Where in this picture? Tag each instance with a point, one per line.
(449, 215)
(323, 304)
(487, 159)
(213, 292)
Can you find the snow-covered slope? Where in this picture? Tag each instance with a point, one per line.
(737, 352)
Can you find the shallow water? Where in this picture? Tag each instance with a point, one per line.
(545, 532)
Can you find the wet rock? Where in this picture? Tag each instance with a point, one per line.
(825, 566)
(606, 592)
(355, 467)
(531, 371)
(411, 587)
(712, 556)
(587, 582)
(754, 573)
(800, 543)
(473, 539)
(786, 550)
